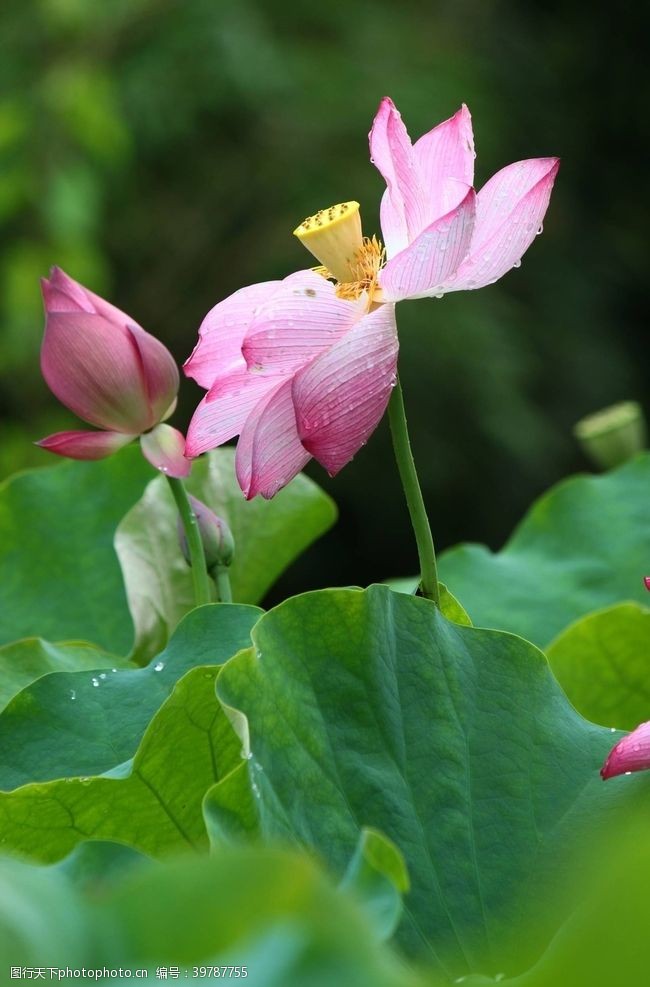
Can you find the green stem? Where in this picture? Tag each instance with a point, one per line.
(194, 544)
(411, 485)
(222, 579)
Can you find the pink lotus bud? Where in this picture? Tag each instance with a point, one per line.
(216, 536)
(632, 753)
(104, 367)
(646, 580)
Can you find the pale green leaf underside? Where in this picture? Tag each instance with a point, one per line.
(269, 535)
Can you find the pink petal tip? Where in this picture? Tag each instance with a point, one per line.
(85, 445)
(632, 753)
(164, 447)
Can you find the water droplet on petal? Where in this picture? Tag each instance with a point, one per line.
(540, 230)
(439, 296)
(517, 263)
(102, 675)
(95, 682)
(158, 667)
(628, 772)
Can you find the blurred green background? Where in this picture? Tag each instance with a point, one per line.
(161, 151)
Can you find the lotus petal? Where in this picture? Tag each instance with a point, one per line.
(341, 397)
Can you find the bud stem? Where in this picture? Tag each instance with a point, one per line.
(413, 494)
(222, 580)
(195, 545)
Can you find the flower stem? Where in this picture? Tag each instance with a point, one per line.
(413, 494)
(222, 580)
(195, 545)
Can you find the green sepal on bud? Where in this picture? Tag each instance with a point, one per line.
(614, 435)
(216, 536)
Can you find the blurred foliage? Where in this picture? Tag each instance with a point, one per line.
(162, 151)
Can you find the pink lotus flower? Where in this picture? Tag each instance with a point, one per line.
(305, 367)
(632, 753)
(107, 370)
(296, 372)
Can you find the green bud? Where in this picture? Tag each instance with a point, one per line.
(216, 536)
(614, 435)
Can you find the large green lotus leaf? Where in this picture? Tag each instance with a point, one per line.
(152, 804)
(84, 723)
(22, 662)
(583, 546)
(59, 576)
(370, 709)
(269, 535)
(603, 664)
(271, 911)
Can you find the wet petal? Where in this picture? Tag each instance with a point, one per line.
(223, 411)
(269, 452)
(509, 213)
(403, 206)
(221, 334)
(85, 445)
(161, 377)
(341, 396)
(434, 256)
(446, 152)
(164, 447)
(632, 753)
(94, 368)
(302, 319)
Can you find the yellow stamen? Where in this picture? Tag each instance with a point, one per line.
(367, 264)
(334, 237)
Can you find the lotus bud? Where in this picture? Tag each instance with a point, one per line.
(632, 753)
(104, 367)
(612, 436)
(216, 536)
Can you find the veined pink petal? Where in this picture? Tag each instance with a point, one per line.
(94, 369)
(434, 255)
(341, 396)
(61, 293)
(445, 152)
(509, 213)
(403, 210)
(632, 753)
(85, 445)
(221, 334)
(269, 452)
(159, 370)
(223, 411)
(301, 319)
(164, 447)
